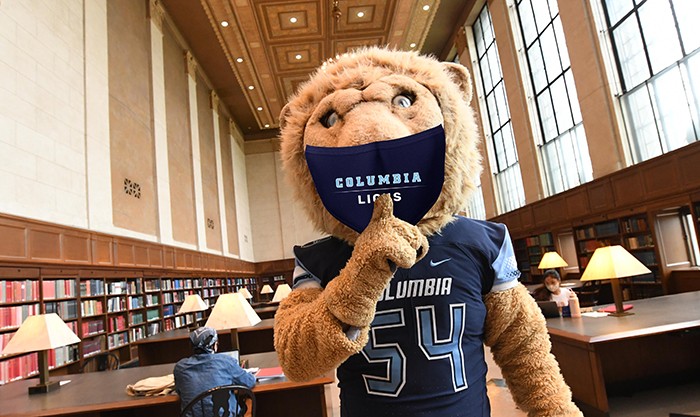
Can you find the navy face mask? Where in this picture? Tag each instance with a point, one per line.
(410, 169)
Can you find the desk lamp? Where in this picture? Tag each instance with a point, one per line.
(551, 260)
(39, 334)
(232, 311)
(281, 292)
(245, 293)
(266, 289)
(193, 303)
(614, 262)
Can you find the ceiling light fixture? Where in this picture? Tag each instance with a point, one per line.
(267, 125)
(260, 108)
(360, 14)
(298, 56)
(426, 7)
(293, 19)
(224, 23)
(413, 45)
(251, 87)
(239, 60)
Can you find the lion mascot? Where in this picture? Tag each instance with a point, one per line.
(380, 147)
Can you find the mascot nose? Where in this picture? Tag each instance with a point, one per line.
(371, 121)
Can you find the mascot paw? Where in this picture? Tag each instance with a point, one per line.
(388, 238)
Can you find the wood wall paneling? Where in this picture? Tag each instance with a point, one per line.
(527, 218)
(44, 245)
(541, 213)
(155, 257)
(102, 250)
(577, 204)
(628, 188)
(661, 178)
(75, 248)
(141, 256)
(169, 258)
(124, 253)
(600, 196)
(13, 245)
(689, 169)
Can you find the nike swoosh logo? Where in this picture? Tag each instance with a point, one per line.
(439, 262)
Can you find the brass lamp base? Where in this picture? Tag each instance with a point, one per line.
(44, 388)
(620, 314)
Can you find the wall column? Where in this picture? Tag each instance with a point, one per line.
(97, 146)
(196, 157)
(598, 106)
(515, 77)
(219, 174)
(165, 228)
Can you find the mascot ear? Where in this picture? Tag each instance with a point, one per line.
(284, 115)
(460, 76)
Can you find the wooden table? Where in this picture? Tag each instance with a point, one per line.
(99, 393)
(658, 342)
(173, 345)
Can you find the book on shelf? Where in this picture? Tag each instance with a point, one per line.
(18, 367)
(17, 291)
(13, 316)
(58, 288)
(92, 287)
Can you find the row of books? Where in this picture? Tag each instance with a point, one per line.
(641, 241)
(153, 328)
(92, 346)
(116, 340)
(16, 291)
(152, 314)
(152, 285)
(92, 287)
(92, 327)
(173, 297)
(13, 316)
(67, 310)
(116, 323)
(636, 224)
(168, 310)
(137, 333)
(116, 304)
(63, 355)
(151, 299)
(19, 367)
(176, 322)
(116, 287)
(136, 318)
(58, 288)
(135, 302)
(180, 284)
(91, 307)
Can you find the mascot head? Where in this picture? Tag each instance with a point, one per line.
(375, 95)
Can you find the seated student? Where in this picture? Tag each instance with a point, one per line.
(205, 370)
(551, 290)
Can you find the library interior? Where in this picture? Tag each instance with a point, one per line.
(141, 179)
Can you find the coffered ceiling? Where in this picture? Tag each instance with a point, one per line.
(256, 52)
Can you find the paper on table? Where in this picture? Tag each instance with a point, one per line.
(62, 383)
(594, 314)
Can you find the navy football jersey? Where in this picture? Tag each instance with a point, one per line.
(425, 352)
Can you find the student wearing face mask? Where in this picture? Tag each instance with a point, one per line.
(551, 289)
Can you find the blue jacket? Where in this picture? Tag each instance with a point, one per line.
(201, 372)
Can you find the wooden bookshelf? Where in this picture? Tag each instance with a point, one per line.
(528, 254)
(634, 234)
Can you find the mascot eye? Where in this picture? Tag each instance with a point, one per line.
(402, 100)
(329, 119)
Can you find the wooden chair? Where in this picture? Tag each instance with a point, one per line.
(218, 398)
(106, 361)
(588, 294)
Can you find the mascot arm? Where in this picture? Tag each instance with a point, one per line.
(517, 334)
(311, 324)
